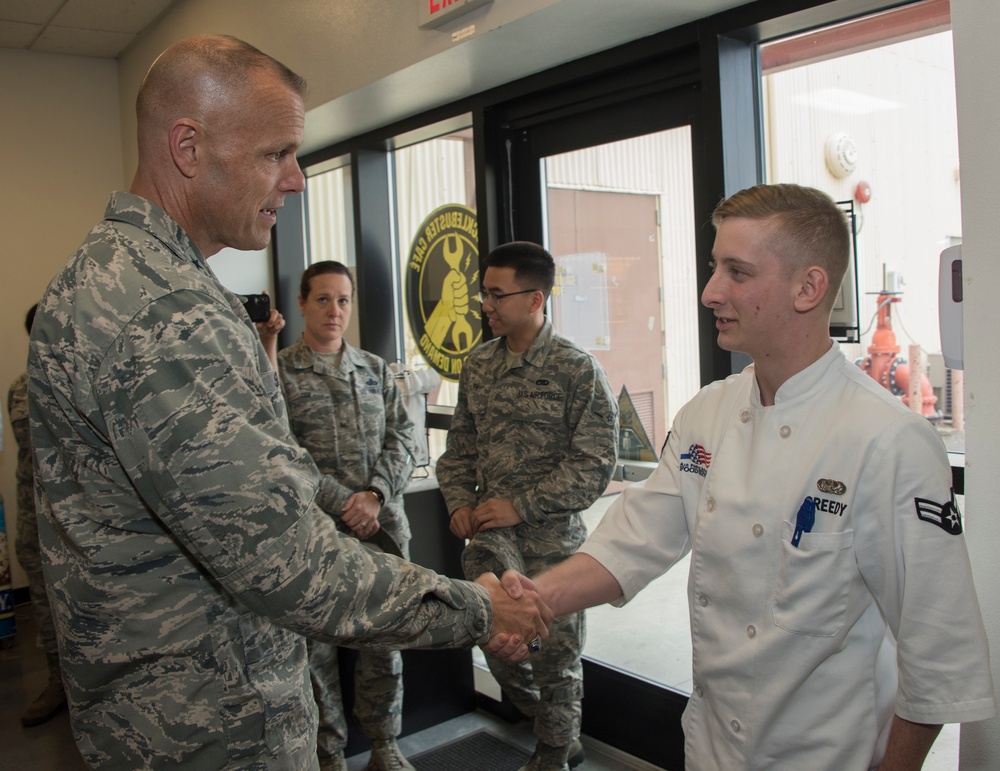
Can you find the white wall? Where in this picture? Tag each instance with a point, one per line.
(61, 159)
(975, 24)
(244, 272)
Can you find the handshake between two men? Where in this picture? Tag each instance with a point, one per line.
(520, 616)
(524, 607)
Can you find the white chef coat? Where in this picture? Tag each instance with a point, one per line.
(795, 648)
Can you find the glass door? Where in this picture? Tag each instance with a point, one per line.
(620, 225)
(618, 215)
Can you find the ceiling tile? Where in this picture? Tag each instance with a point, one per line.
(14, 34)
(82, 42)
(33, 11)
(111, 15)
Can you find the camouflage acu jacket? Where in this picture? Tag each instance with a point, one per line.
(543, 434)
(183, 550)
(17, 409)
(353, 421)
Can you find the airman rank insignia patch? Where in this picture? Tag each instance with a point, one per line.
(944, 515)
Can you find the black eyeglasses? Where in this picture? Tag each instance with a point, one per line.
(494, 299)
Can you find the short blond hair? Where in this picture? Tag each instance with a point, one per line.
(809, 227)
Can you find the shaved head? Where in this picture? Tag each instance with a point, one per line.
(201, 76)
(218, 127)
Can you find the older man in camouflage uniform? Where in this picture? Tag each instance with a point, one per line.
(532, 444)
(53, 697)
(345, 408)
(184, 552)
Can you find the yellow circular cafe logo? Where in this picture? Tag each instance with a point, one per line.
(442, 278)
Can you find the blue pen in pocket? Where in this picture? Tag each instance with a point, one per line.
(804, 520)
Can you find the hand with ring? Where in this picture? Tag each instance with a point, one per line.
(360, 514)
(520, 617)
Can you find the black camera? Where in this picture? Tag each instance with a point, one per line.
(258, 306)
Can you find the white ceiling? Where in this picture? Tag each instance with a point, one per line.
(102, 28)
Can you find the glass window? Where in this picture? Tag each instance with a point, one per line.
(866, 112)
(621, 228)
(437, 233)
(330, 212)
(330, 218)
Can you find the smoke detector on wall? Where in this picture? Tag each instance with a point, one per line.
(841, 154)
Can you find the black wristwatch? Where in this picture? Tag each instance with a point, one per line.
(378, 494)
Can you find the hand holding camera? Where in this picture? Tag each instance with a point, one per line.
(258, 306)
(268, 322)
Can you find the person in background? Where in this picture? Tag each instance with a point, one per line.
(834, 620)
(185, 555)
(345, 408)
(532, 444)
(53, 698)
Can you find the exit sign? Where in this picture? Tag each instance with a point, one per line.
(434, 13)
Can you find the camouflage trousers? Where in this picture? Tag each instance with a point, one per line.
(378, 685)
(548, 685)
(30, 556)
(378, 700)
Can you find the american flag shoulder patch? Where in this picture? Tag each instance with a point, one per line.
(698, 455)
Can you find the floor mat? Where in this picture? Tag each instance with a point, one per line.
(480, 751)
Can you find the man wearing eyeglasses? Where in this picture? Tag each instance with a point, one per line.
(533, 443)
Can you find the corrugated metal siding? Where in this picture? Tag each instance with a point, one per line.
(428, 176)
(659, 164)
(327, 197)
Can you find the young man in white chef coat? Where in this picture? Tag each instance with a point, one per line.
(833, 615)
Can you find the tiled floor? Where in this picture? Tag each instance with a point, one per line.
(600, 757)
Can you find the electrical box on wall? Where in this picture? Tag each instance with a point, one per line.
(844, 324)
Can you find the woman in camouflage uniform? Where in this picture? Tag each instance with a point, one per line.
(345, 408)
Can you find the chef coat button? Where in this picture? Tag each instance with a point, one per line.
(744, 416)
(785, 432)
(698, 691)
(735, 725)
(703, 600)
(751, 631)
(758, 530)
(710, 504)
